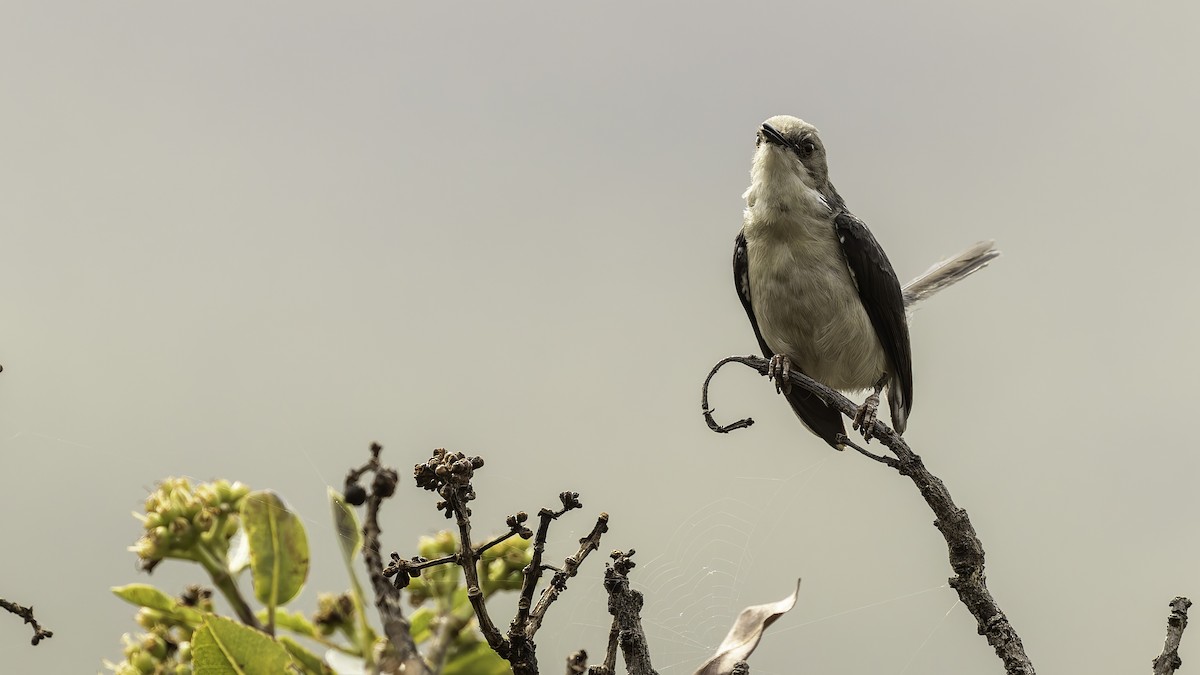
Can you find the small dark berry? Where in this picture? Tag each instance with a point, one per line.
(355, 494)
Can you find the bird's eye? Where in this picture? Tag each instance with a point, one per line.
(806, 148)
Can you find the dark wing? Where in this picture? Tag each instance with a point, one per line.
(879, 291)
(820, 418)
(741, 280)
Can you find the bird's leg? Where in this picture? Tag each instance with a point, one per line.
(864, 419)
(780, 370)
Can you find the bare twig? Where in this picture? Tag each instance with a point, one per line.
(449, 475)
(469, 563)
(558, 583)
(387, 596)
(625, 604)
(882, 459)
(1168, 661)
(418, 564)
(965, 549)
(708, 412)
(609, 667)
(529, 619)
(26, 613)
(533, 571)
(610, 652)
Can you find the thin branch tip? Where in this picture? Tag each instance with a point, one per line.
(26, 615)
(387, 594)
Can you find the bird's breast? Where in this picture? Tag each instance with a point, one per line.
(807, 304)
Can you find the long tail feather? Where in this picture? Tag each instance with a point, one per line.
(949, 272)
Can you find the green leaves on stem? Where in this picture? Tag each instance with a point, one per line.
(198, 524)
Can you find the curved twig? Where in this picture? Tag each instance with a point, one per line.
(712, 423)
(965, 549)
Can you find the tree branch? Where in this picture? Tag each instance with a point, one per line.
(533, 571)
(26, 613)
(963, 545)
(387, 596)
(625, 605)
(1168, 661)
(708, 411)
(558, 583)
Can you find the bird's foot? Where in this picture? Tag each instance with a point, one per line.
(779, 370)
(864, 419)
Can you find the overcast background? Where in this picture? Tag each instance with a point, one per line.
(245, 240)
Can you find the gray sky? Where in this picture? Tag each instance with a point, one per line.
(246, 240)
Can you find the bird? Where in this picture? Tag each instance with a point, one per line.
(820, 292)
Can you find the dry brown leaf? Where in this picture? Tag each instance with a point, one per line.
(739, 644)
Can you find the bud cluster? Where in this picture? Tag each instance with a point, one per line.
(154, 654)
(334, 613)
(449, 475)
(178, 517)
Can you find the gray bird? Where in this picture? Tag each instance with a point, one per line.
(820, 292)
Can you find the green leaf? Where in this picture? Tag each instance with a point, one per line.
(310, 663)
(478, 659)
(278, 548)
(145, 595)
(293, 621)
(224, 647)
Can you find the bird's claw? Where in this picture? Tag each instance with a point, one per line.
(779, 370)
(864, 419)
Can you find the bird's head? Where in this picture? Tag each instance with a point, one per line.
(789, 150)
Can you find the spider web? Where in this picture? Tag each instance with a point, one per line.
(696, 583)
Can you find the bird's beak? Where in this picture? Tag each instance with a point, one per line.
(773, 136)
